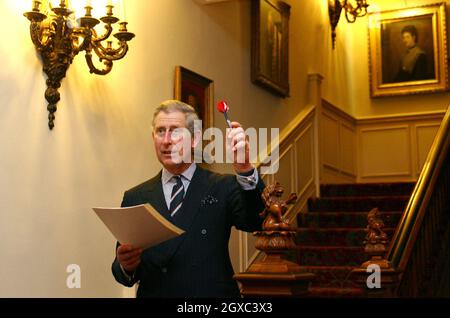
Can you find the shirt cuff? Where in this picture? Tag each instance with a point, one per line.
(127, 276)
(248, 182)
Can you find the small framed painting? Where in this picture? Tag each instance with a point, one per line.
(197, 91)
(270, 45)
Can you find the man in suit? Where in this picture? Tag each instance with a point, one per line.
(204, 204)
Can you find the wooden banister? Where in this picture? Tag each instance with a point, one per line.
(410, 223)
(417, 258)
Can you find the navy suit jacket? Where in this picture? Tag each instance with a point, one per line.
(197, 263)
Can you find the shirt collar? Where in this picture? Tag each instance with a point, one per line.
(187, 174)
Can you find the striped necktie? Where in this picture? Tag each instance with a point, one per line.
(176, 199)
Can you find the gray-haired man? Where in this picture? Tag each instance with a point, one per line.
(204, 204)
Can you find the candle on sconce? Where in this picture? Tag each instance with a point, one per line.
(123, 15)
(57, 3)
(88, 8)
(36, 5)
(109, 8)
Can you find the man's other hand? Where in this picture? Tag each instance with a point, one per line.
(129, 257)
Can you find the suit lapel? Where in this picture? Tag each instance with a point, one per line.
(197, 190)
(184, 219)
(198, 187)
(155, 197)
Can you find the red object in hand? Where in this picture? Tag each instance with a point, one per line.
(223, 108)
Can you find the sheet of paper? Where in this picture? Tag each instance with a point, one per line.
(141, 225)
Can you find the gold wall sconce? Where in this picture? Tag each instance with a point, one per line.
(353, 9)
(59, 37)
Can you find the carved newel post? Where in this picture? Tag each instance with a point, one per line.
(375, 246)
(274, 275)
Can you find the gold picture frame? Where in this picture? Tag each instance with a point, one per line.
(270, 46)
(197, 91)
(408, 51)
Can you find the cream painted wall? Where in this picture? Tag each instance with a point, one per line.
(357, 46)
(338, 146)
(333, 64)
(101, 145)
(49, 180)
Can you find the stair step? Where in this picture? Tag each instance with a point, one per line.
(354, 204)
(344, 219)
(331, 276)
(327, 268)
(330, 236)
(335, 292)
(334, 236)
(366, 189)
(331, 256)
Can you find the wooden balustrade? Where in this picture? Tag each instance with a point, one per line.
(274, 275)
(417, 261)
(423, 272)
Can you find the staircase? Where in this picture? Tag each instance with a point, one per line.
(330, 237)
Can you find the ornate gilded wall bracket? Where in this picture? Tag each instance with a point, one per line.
(59, 38)
(353, 9)
(334, 11)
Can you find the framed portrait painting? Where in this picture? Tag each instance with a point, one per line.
(408, 51)
(270, 45)
(197, 91)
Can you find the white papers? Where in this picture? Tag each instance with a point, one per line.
(141, 226)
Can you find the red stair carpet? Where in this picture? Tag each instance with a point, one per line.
(331, 234)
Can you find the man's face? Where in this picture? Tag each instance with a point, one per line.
(170, 135)
(409, 40)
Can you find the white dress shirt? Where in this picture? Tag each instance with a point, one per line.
(246, 182)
